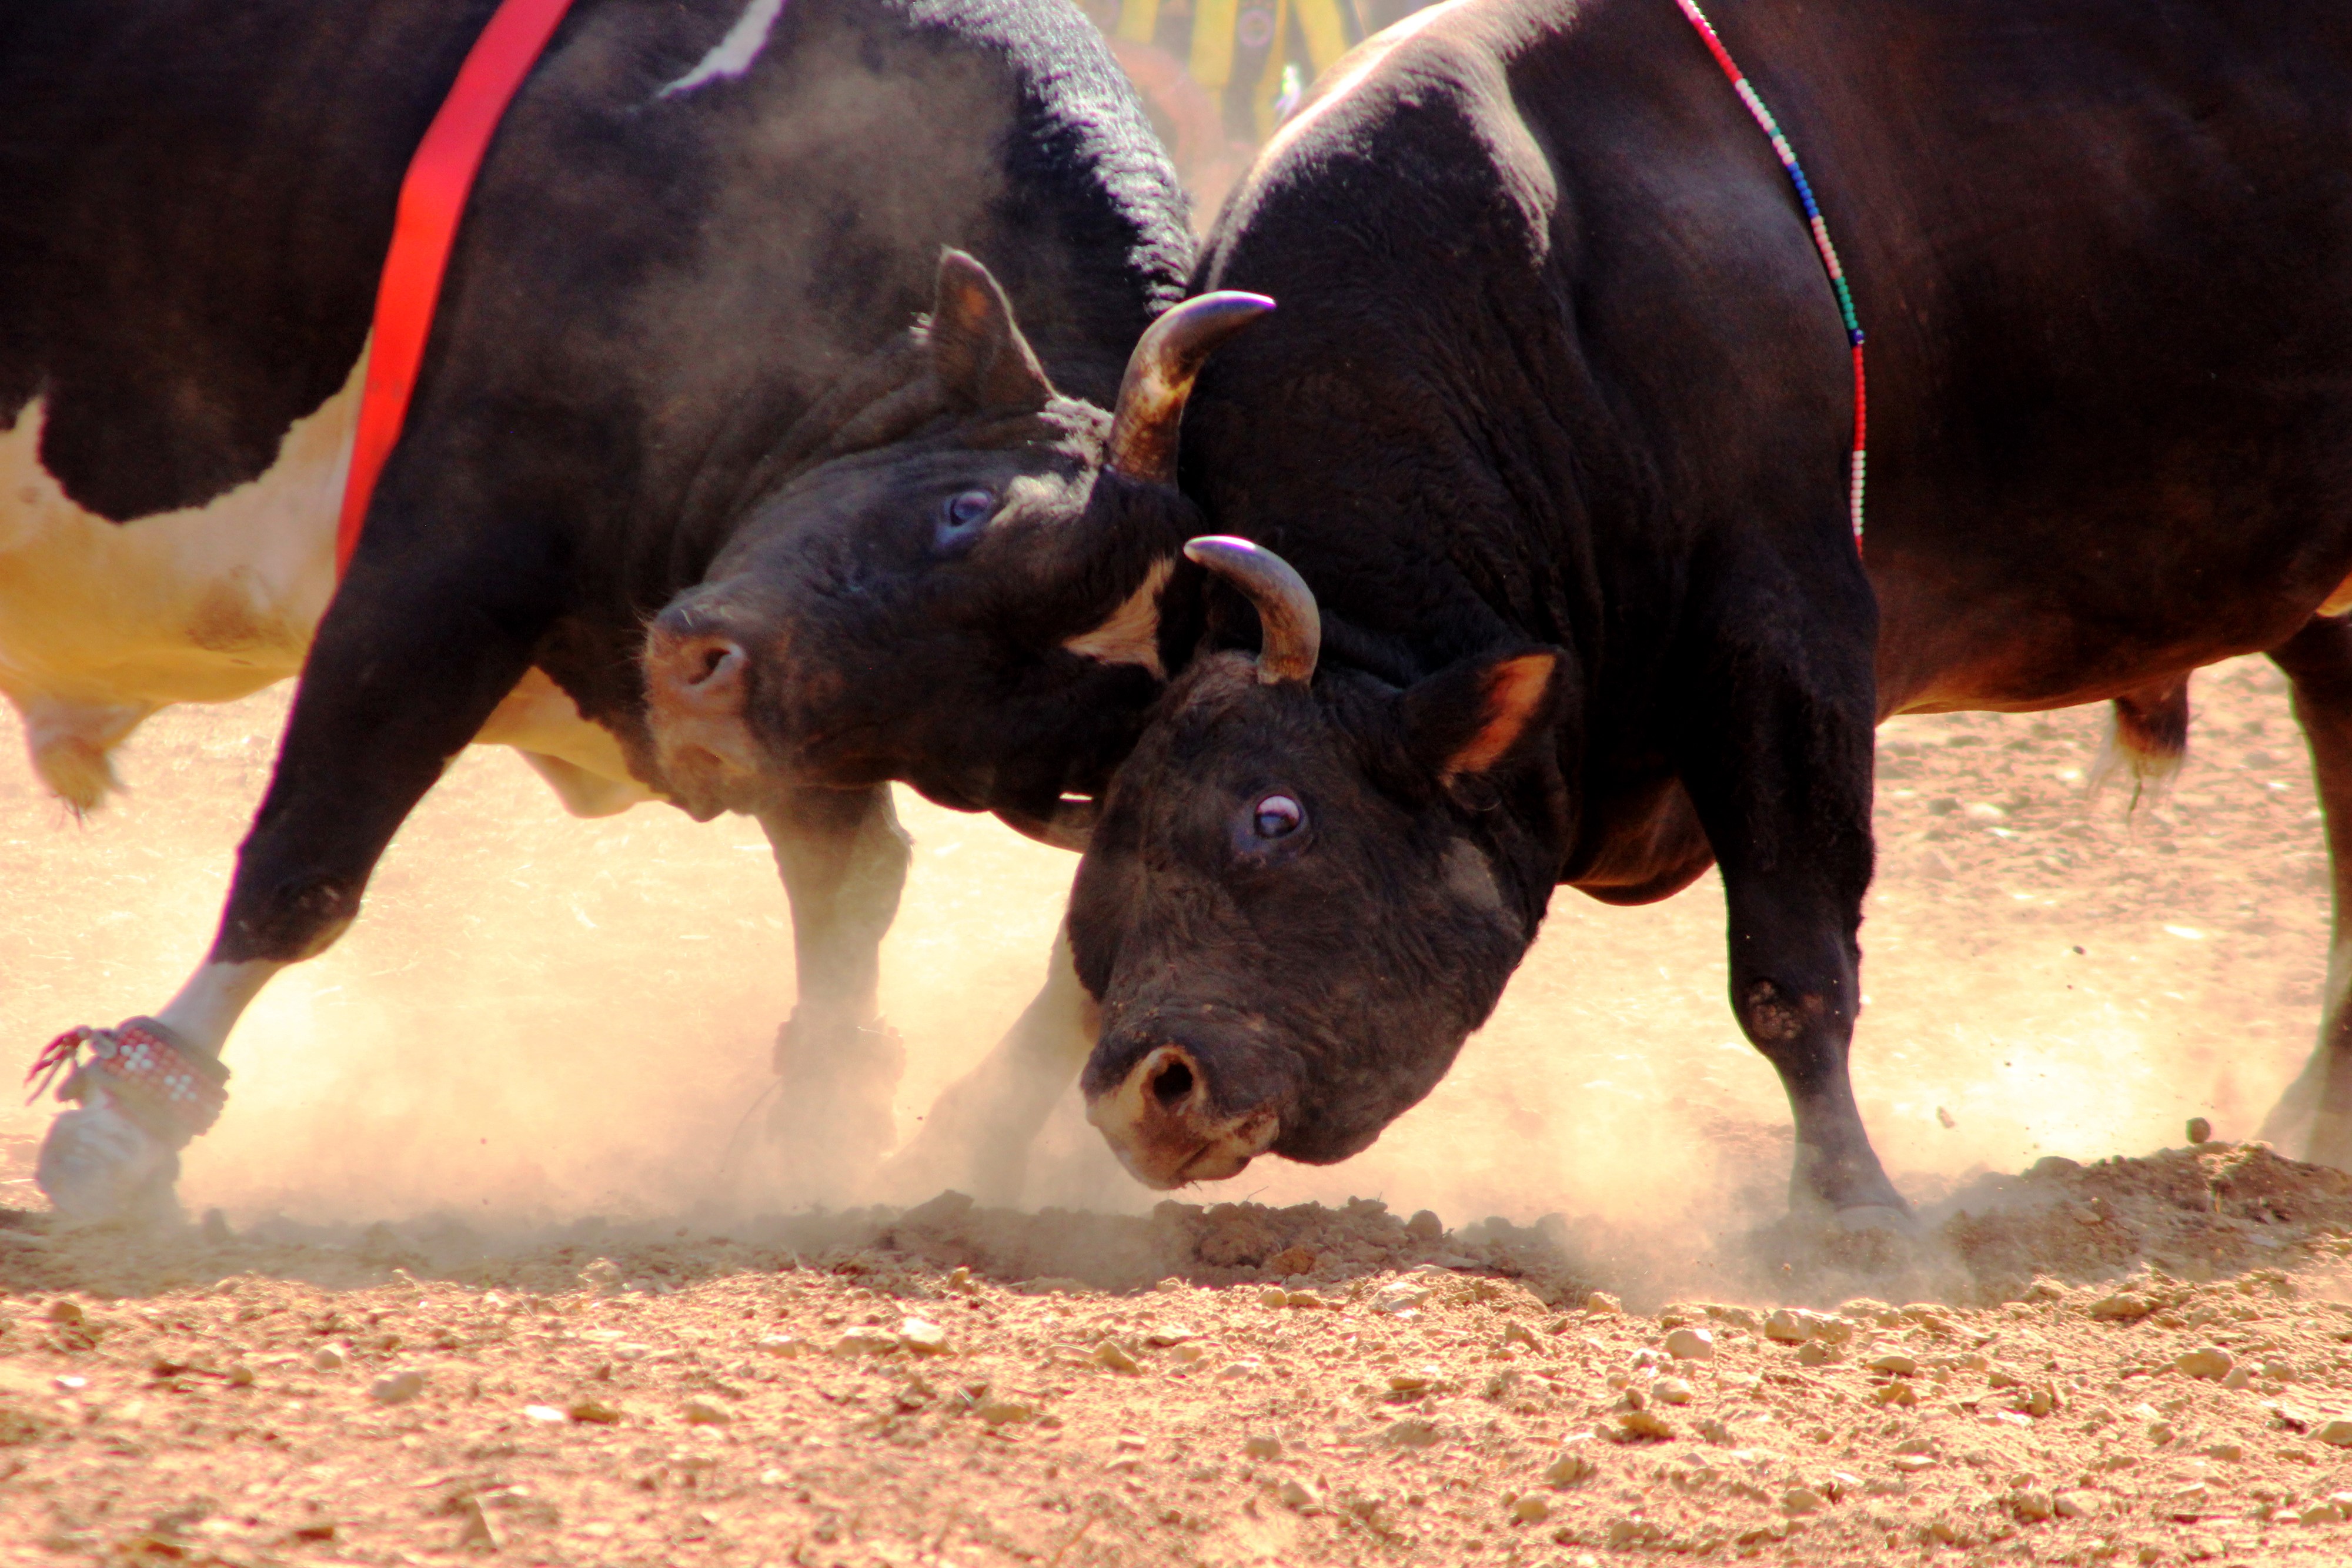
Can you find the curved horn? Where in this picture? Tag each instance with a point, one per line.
(1159, 378)
(1292, 627)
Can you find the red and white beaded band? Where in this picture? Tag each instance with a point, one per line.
(176, 1092)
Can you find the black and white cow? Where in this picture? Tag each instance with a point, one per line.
(688, 280)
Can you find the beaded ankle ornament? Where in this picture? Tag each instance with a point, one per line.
(1820, 233)
(174, 1092)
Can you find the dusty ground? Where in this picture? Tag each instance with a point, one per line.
(529, 1052)
(1303, 1387)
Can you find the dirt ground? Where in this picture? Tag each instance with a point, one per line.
(474, 1289)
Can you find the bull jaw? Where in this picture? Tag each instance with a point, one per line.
(1212, 1162)
(705, 784)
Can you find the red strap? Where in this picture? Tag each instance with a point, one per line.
(432, 197)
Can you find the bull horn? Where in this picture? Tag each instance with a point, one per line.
(1159, 378)
(1291, 627)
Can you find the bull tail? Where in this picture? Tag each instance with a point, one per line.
(72, 745)
(2147, 733)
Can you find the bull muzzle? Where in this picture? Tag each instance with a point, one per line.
(1163, 1123)
(698, 685)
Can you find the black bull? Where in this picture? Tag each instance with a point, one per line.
(684, 286)
(1553, 416)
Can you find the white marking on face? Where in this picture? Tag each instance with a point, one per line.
(1131, 635)
(732, 54)
(1470, 878)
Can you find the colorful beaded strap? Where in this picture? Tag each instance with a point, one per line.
(174, 1091)
(1821, 232)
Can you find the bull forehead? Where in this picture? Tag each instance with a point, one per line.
(946, 459)
(868, 507)
(1222, 720)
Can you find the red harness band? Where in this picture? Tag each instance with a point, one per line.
(432, 198)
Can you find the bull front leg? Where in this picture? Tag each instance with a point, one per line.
(977, 1134)
(843, 859)
(2315, 1114)
(407, 664)
(1778, 764)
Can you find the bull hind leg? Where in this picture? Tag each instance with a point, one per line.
(2147, 735)
(2315, 1112)
(843, 859)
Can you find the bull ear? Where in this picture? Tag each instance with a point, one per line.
(1468, 720)
(980, 358)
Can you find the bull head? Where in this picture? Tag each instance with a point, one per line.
(1308, 886)
(948, 573)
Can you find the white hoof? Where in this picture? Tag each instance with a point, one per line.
(98, 1165)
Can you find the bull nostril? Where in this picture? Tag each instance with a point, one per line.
(716, 658)
(1172, 1084)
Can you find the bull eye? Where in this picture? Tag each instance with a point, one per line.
(1277, 817)
(960, 516)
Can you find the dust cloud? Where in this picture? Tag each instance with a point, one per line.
(538, 1017)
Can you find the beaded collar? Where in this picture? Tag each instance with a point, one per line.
(1820, 233)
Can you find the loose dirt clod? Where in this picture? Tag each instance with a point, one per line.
(2205, 1361)
(398, 1389)
(1690, 1345)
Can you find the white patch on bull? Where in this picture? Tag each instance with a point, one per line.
(212, 1001)
(1470, 878)
(1131, 634)
(732, 54)
(102, 623)
(580, 760)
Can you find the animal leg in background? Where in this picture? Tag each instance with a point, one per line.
(1778, 761)
(976, 1137)
(843, 859)
(407, 666)
(2318, 660)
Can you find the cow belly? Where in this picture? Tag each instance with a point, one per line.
(204, 604)
(102, 623)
